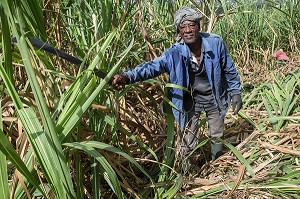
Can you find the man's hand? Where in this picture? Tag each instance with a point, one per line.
(118, 81)
(236, 103)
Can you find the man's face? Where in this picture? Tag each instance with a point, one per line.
(189, 31)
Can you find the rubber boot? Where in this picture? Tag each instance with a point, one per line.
(216, 150)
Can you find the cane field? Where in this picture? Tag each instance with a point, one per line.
(66, 134)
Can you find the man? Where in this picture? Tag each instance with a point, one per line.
(201, 63)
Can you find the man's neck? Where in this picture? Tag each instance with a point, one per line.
(196, 47)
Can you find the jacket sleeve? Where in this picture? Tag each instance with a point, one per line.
(148, 70)
(230, 72)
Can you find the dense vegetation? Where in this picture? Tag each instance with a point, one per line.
(66, 134)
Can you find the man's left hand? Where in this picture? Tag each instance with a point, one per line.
(236, 103)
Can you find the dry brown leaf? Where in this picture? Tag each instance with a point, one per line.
(237, 182)
(199, 190)
(281, 149)
(205, 182)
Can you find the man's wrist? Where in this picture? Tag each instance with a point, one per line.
(126, 77)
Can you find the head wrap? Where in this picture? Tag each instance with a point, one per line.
(186, 14)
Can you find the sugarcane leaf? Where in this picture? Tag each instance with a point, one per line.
(107, 147)
(109, 120)
(239, 156)
(8, 150)
(50, 158)
(109, 174)
(170, 193)
(83, 104)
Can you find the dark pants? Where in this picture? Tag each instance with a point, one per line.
(190, 137)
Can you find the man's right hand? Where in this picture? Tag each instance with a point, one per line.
(119, 81)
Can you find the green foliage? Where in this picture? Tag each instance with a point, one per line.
(257, 28)
(110, 36)
(280, 100)
(3, 170)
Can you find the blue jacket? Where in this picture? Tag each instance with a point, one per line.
(221, 72)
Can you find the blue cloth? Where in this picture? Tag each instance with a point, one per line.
(221, 72)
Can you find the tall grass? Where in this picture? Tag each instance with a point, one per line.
(87, 140)
(254, 31)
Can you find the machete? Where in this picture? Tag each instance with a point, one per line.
(37, 43)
